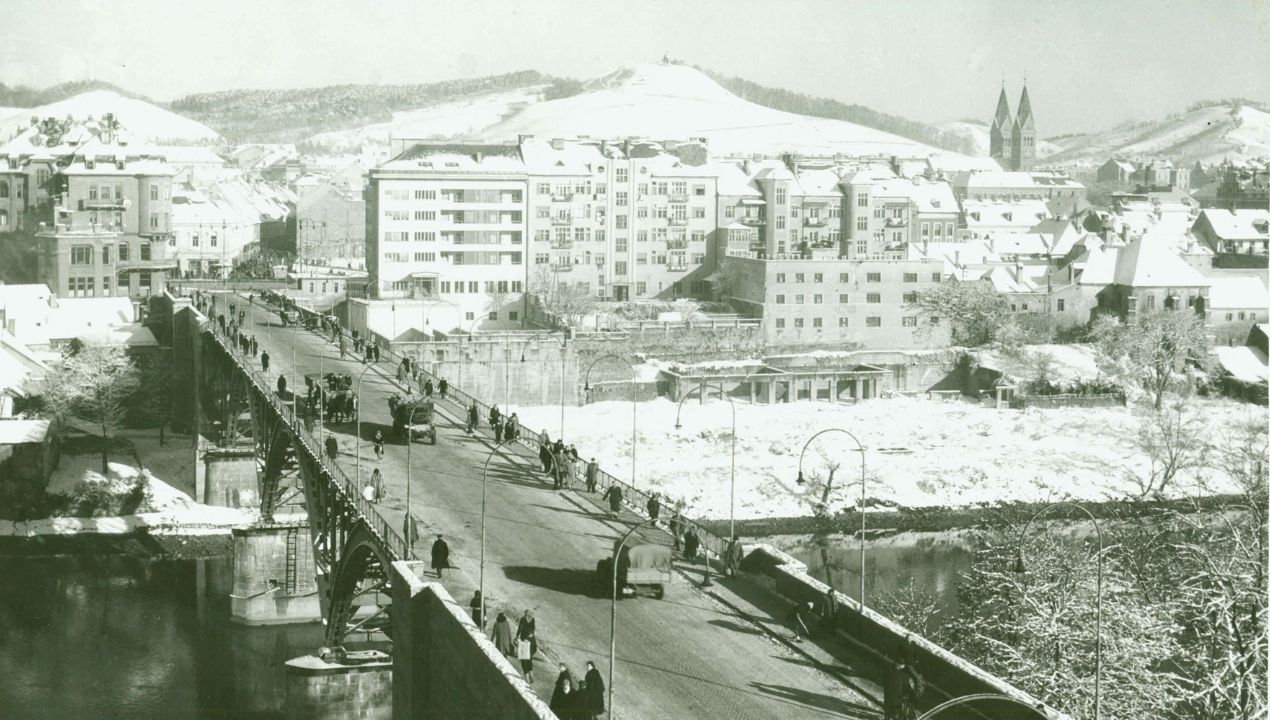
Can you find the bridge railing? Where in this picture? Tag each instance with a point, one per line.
(393, 540)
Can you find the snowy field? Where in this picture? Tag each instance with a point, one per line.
(921, 453)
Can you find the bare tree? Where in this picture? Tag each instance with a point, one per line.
(1152, 351)
(94, 384)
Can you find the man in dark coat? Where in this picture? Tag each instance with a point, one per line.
(264, 361)
(899, 694)
(498, 431)
(440, 555)
(592, 475)
(654, 507)
(691, 543)
(592, 692)
(442, 386)
(332, 447)
(614, 496)
(494, 415)
(427, 389)
(473, 417)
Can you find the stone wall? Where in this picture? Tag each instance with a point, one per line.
(267, 591)
(443, 665)
(946, 675)
(318, 691)
(229, 477)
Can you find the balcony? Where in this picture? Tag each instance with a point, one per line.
(752, 221)
(561, 244)
(678, 198)
(677, 268)
(678, 221)
(562, 220)
(896, 221)
(103, 203)
(814, 222)
(562, 268)
(676, 244)
(562, 197)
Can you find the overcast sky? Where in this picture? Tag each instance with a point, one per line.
(1089, 63)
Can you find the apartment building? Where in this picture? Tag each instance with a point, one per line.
(99, 205)
(886, 213)
(1015, 186)
(833, 301)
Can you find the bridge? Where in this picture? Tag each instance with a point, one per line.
(702, 652)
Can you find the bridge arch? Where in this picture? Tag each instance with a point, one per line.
(363, 569)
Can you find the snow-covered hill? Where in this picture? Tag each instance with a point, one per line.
(445, 120)
(1209, 135)
(973, 138)
(142, 119)
(677, 101)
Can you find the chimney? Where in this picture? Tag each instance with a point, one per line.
(478, 156)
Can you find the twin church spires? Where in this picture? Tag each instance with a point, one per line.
(1012, 141)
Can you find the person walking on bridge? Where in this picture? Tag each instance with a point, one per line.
(332, 447)
(427, 388)
(654, 507)
(378, 443)
(499, 429)
(527, 644)
(732, 559)
(440, 555)
(473, 417)
(442, 386)
(592, 475)
(899, 694)
(614, 496)
(264, 361)
(494, 416)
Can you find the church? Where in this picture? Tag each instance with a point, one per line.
(1012, 141)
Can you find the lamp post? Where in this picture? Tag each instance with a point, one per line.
(586, 387)
(824, 498)
(410, 419)
(617, 555)
(484, 484)
(358, 444)
(732, 479)
(1020, 568)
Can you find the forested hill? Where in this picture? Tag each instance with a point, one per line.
(801, 104)
(21, 96)
(291, 115)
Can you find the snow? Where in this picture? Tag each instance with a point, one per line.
(680, 102)
(440, 121)
(961, 454)
(1209, 135)
(143, 120)
(975, 138)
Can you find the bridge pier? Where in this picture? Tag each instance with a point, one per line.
(274, 575)
(318, 690)
(227, 477)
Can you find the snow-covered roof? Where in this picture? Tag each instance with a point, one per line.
(1237, 292)
(21, 432)
(1143, 263)
(822, 182)
(1243, 363)
(733, 181)
(1023, 214)
(1070, 364)
(1238, 224)
(459, 157)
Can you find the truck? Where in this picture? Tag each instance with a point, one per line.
(641, 569)
(413, 412)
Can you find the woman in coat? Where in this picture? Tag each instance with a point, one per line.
(565, 699)
(592, 705)
(527, 632)
(501, 635)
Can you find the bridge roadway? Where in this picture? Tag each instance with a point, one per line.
(685, 656)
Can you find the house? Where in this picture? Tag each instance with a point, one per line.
(1243, 232)
(1238, 299)
(28, 456)
(1115, 171)
(1143, 276)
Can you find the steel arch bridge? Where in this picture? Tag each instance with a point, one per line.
(353, 544)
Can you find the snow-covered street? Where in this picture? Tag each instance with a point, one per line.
(949, 454)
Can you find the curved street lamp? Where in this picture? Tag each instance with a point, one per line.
(617, 555)
(935, 712)
(824, 497)
(586, 387)
(1019, 567)
(484, 483)
(732, 482)
(410, 420)
(358, 443)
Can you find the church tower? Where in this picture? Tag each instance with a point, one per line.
(999, 137)
(1023, 148)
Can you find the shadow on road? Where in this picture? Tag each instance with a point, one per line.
(830, 703)
(736, 627)
(566, 580)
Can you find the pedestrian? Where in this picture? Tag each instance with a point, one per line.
(798, 620)
(592, 475)
(498, 431)
(332, 447)
(264, 361)
(691, 543)
(442, 386)
(343, 347)
(527, 643)
(440, 555)
(282, 379)
(427, 388)
(654, 507)
(513, 424)
(561, 466)
(473, 417)
(562, 696)
(378, 443)
(592, 705)
(377, 480)
(494, 415)
(828, 611)
(368, 492)
(501, 635)
(899, 694)
(614, 496)
(544, 456)
(255, 346)
(477, 609)
(676, 525)
(733, 556)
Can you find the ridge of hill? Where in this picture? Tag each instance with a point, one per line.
(15, 97)
(142, 119)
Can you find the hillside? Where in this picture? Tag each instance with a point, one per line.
(1208, 133)
(971, 138)
(293, 115)
(21, 96)
(145, 120)
(678, 101)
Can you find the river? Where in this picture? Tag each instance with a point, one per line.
(128, 638)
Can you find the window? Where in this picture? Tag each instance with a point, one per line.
(123, 252)
(425, 194)
(619, 267)
(622, 176)
(780, 196)
(425, 257)
(4, 190)
(800, 299)
(1061, 305)
(862, 223)
(642, 212)
(873, 321)
(621, 198)
(862, 200)
(844, 277)
(780, 299)
(800, 277)
(212, 239)
(641, 236)
(780, 323)
(934, 277)
(641, 259)
(844, 298)
(620, 222)
(105, 255)
(82, 255)
(817, 299)
(493, 315)
(780, 222)
(842, 322)
(818, 277)
(154, 221)
(425, 236)
(873, 277)
(910, 277)
(641, 288)
(145, 251)
(910, 298)
(798, 322)
(873, 298)
(909, 321)
(513, 315)
(729, 211)
(815, 322)
(699, 213)
(619, 244)
(780, 277)
(105, 284)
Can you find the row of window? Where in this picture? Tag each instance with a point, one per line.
(83, 254)
(89, 287)
(455, 258)
(870, 321)
(873, 277)
(674, 259)
(458, 287)
(673, 188)
(908, 298)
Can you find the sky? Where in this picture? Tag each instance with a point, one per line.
(1089, 64)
